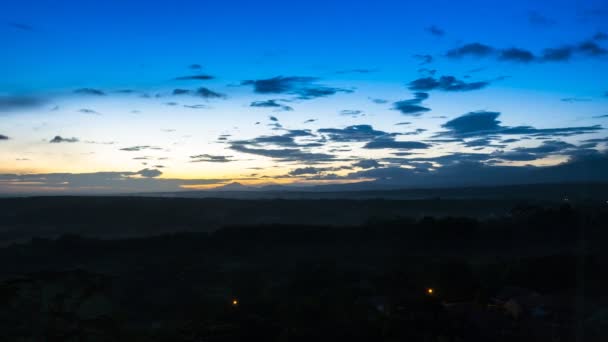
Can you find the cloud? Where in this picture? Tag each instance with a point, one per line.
(464, 170)
(516, 55)
(379, 101)
(445, 83)
(15, 103)
(412, 107)
(600, 36)
(140, 148)
(575, 99)
(21, 26)
(559, 54)
(353, 133)
(356, 71)
(89, 91)
(208, 158)
(472, 49)
(367, 164)
(195, 66)
(435, 31)
(482, 123)
(390, 142)
(179, 91)
(3, 137)
(58, 139)
(199, 77)
(548, 146)
(87, 111)
(149, 173)
(306, 171)
(537, 19)
(424, 59)
(208, 94)
(591, 48)
(352, 112)
(287, 154)
(271, 104)
(304, 87)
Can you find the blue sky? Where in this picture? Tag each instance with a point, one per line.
(302, 92)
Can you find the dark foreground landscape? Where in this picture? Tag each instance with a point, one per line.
(176, 269)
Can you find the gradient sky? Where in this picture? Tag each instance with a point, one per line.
(98, 96)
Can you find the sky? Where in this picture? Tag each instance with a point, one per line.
(135, 96)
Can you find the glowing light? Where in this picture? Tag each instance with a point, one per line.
(235, 302)
(430, 291)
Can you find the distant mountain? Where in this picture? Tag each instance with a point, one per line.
(234, 186)
(552, 192)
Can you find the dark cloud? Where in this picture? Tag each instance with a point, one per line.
(415, 132)
(516, 55)
(549, 146)
(379, 101)
(273, 118)
(478, 142)
(412, 106)
(306, 171)
(15, 103)
(195, 66)
(87, 111)
(537, 19)
(179, 91)
(435, 31)
(310, 121)
(591, 48)
(288, 139)
(600, 116)
(196, 106)
(352, 112)
(271, 104)
(575, 99)
(445, 83)
(390, 142)
(287, 154)
(588, 166)
(600, 36)
(424, 59)
(58, 139)
(149, 173)
(200, 77)
(208, 158)
(89, 91)
(367, 164)
(208, 94)
(304, 87)
(483, 123)
(353, 133)
(140, 148)
(3, 137)
(356, 71)
(559, 54)
(21, 26)
(472, 49)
